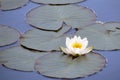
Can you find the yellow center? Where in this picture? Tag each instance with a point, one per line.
(77, 45)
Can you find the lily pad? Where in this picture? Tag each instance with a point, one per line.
(12, 4)
(57, 1)
(43, 40)
(63, 66)
(1, 62)
(103, 36)
(19, 58)
(52, 17)
(8, 35)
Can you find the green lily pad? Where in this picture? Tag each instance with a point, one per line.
(52, 17)
(103, 36)
(8, 35)
(19, 58)
(2, 62)
(12, 4)
(63, 66)
(57, 1)
(44, 40)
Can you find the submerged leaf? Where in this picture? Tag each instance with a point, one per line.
(104, 36)
(8, 35)
(52, 17)
(57, 1)
(19, 58)
(62, 66)
(12, 4)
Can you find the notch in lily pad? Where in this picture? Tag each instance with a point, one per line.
(53, 17)
(44, 40)
(57, 65)
(103, 36)
(78, 62)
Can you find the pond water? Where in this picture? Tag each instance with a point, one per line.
(106, 10)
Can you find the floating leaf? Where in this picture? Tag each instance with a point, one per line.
(19, 58)
(43, 40)
(63, 66)
(12, 4)
(104, 36)
(52, 17)
(57, 1)
(1, 62)
(8, 35)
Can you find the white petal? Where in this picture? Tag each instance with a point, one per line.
(68, 41)
(85, 43)
(69, 51)
(75, 38)
(66, 50)
(87, 50)
(80, 51)
(77, 51)
(63, 49)
(85, 39)
(79, 38)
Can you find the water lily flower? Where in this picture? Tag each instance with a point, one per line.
(76, 46)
